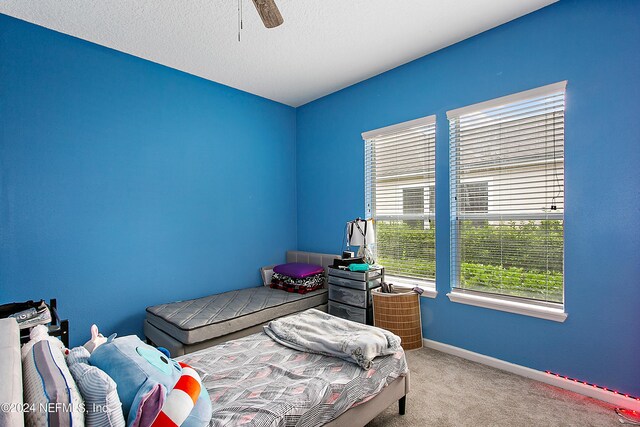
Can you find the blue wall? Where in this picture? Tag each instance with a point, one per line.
(124, 183)
(593, 45)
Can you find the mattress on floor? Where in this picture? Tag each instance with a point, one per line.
(216, 315)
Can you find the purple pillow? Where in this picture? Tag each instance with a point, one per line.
(298, 270)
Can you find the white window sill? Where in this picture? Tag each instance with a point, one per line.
(517, 307)
(428, 288)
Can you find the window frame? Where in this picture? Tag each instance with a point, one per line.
(428, 286)
(509, 303)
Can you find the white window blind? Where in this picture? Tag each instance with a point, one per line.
(507, 195)
(400, 197)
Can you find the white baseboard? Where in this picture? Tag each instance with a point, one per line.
(617, 400)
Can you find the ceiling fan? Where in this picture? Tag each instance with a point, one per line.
(269, 13)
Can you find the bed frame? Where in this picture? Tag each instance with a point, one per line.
(361, 414)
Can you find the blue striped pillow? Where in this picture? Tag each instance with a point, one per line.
(102, 404)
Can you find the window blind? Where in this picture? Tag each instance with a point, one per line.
(400, 196)
(507, 195)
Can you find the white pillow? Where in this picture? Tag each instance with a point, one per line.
(51, 396)
(267, 273)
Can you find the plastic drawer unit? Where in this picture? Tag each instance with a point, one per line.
(350, 293)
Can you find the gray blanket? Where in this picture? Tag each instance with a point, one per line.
(317, 332)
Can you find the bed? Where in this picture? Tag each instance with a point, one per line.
(186, 326)
(256, 381)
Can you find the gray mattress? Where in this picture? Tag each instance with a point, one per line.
(213, 316)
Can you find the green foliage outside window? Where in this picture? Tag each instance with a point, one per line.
(406, 249)
(522, 259)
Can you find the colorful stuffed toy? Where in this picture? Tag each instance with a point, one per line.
(154, 389)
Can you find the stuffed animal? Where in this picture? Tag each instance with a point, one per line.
(40, 333)
(97, 339)
(154, 389)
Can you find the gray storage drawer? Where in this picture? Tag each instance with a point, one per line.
(349, 296)
(348, 312)
(356, 275)
(355, 284)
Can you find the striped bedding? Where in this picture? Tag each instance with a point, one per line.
(258, 382)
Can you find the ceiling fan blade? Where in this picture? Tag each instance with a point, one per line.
(269, 13)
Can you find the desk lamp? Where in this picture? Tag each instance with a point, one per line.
(360, 232)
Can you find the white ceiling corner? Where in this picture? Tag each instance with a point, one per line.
(323, 45)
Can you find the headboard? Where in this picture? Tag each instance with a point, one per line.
(324, 260)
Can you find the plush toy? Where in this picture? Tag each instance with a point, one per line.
(154, 389)
(40, 333)
(97, 339)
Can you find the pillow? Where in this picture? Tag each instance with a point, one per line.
(50, 392)
(102, 404)
(298, 270)
(266, 273)
(299, 286)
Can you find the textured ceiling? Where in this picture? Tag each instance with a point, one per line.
(323, 45)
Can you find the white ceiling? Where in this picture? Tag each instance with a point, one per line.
(323, 45)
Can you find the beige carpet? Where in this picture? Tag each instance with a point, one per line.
(450, 391)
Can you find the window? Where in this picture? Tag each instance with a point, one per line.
(399, 179)
(474, 198)
(413, 204)
(507, 197)
(432, 203)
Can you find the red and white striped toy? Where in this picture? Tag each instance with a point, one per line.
(180, 400)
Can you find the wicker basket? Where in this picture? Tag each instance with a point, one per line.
(399, 312)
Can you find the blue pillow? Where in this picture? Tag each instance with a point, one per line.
(102, 404)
